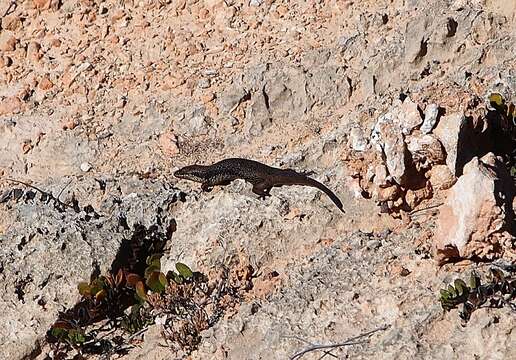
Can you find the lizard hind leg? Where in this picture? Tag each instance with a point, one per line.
(262, 189)
(207, 187)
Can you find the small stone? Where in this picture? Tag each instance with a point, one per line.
(7, 42)
(41, 4)
(381, 177)
(409, 116)
(11, 22)
(431, 112)
(256, 2)
(282, 10)
(426, 150)
(373, 244)
(117, 15)
(70, 124)
(449, 131)
(33, 51)
(204, 83)
(357, 141)
(5, 61)
(204, 14)
(45, 83)
(85, 167)
(354, 186)
(27, 146)
(441, 177)
(414, 197)
(206, 98)
(396, 154)
(10, 105)
(168, 143)
(390, 193)
(83, 67)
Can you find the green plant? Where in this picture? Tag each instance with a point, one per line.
(500, 290)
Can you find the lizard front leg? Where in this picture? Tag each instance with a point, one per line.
(262, 189)
(209, 184)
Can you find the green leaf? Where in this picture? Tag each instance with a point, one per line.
(474, 281)
(154, 259)
(84, 289)
(496, 99)
(177, 278)
(140, 291)
(163, 279)
(461, 287)
(58, 332)
(444, 294)
(97, 285)
(101, 295)
(76, 336)
(151, 269)
(153, 282)
(184, 270)
(452, 292)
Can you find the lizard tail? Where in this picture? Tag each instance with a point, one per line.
(316, 184)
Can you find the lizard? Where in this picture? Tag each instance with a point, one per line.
(261, 176)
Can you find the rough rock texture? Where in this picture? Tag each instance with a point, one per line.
(46, 252)
(450, 130)
(104, 100)
(478, 216)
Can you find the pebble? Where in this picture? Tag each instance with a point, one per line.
(204, 83)
(357, 140)
(431, 112)
(45, 83)
(10, 105)
(7, 42)
(85, 167)
(256, 2)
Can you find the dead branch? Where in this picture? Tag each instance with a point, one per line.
(50, 195)
(12, 6)
(348, 342)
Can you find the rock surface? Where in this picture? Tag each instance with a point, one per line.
(136, 89)
(478, 214)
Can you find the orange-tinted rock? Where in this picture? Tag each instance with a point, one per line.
(7, 42)
(41, 4)
(475, 218)
(168, 143)
(10, 105)
(45, 83)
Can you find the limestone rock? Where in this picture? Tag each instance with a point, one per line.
(357, 140)
(7, 42)
(431, 113)
(409, 117)
(441, 177)
(426, 150)
(416, 38)
(477, 214)
(450, 130)
(388, 138)
(396, 154)
(10, 105)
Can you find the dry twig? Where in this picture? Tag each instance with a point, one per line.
(350, 341)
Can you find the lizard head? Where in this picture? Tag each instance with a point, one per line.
(192, 172)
